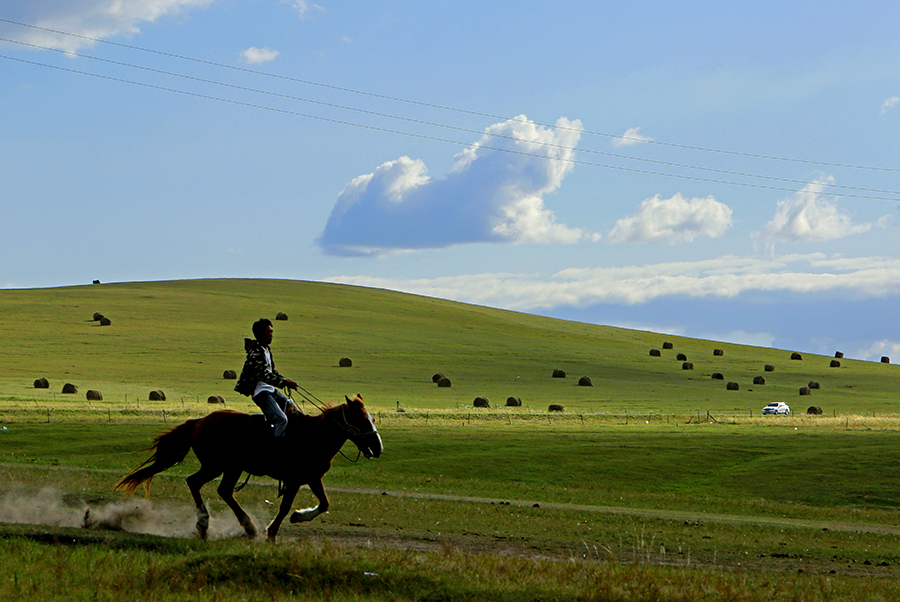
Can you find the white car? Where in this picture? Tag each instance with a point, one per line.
(777, 407)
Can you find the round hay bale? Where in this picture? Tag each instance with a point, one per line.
(93, 395)
(281, 316)
(835, 364)
(345, 362)
(796, 356)
(105, 321)
(229, 375)
(437, 377)
(838, 355)
(769, 368)
(718, 352)
(813, 384)
(69, 389)
(215, 399)
(443, 382)
(804, 391)
(97, 316)
(759, 380)
(687, 366)
(585, 381)
(655, 353)
(885, 359)
(681, 357)
(481, 402)
(41, 383)
(157, 395)
(814, 410)
(668, 345)
(559, 373)
(513, 402)
(556, 407)
(718, 376)
(732, 386)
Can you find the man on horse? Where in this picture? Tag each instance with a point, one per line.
(260, 381)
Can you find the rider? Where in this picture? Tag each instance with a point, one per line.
(260, 381)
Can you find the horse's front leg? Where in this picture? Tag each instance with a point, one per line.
(318, 490)
(287, 498)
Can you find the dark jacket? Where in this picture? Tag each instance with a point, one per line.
(256, 370)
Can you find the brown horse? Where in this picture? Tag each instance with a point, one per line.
(229, 443)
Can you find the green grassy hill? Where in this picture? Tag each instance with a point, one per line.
(180, 336)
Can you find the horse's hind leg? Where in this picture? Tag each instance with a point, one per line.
(287, 499)
(226, 492)
(196, 482)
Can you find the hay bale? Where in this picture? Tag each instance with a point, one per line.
(93, 395)
(42, 383)
(718, 376)
(805, 391)
(281, 316)
(796, 356)
(229, 375)
(885, 359)
(481, 402)
(513, 402)
(157, 395)
(585, 381)
(345, 362)
(759, 380)
(813, 384)
(687, 366)
(835, 364)
(215, 399)
(769, 368)
(559, 373)
(668, 345)
(838, 355)
(681, 357)
(556, 407)
(732, 386)
(718, 352)
(655, 353)
(97, 316)
(96, 282)
(437, 377)
(105, 321)
(443, 382)
(69, 389)
(814, 410)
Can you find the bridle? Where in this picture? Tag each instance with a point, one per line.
(353, 432)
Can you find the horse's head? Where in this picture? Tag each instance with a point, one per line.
(361, 428)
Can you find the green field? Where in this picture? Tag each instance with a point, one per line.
(655, 483)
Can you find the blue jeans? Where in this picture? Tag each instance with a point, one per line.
(273, 406)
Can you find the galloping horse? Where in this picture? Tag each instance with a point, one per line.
(229, 443)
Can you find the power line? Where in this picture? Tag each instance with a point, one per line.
(453, 109)
(420, 136)
(445, 126)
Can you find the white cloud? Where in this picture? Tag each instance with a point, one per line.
(631, 137)
(808, 216)
(880, 349)
(494, 193)
(673, 220)
(303, 7)
(98, 19)
(256, 56)
(890, 103)
(725, 277)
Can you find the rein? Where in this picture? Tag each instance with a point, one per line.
(348, 428)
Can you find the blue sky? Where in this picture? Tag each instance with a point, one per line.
(722, 170)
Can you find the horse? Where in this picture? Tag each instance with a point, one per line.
(229, 443)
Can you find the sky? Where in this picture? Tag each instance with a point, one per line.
(722, 170)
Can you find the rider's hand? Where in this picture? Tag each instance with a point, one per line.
(290, 384)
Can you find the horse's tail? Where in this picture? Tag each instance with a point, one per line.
(169, 449)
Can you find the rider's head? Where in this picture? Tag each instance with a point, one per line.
(262, 330)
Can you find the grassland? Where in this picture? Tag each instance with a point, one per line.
(656, 483)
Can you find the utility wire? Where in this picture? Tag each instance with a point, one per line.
(445, 126)
(420, 136)
(446, 108)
